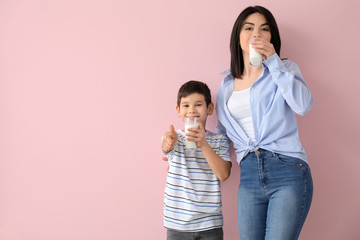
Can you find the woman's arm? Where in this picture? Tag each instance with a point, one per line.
(288, 78)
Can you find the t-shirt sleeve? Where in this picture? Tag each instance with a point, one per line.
(224, 149)
(170, 154)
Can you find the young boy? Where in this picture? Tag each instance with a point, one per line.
(192, 202)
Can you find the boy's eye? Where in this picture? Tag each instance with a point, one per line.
(185, 105)
(199, 104)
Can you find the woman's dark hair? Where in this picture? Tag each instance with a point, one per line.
(237, 61)
(191, 87)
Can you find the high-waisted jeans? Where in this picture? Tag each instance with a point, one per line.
(275, 195)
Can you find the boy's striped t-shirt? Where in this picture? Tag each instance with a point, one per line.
(192, 200)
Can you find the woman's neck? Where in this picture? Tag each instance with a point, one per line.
(248, 77)
(251, 72)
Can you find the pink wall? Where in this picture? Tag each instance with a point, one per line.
(88, 87)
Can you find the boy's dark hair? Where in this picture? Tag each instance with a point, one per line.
(191, 87)
(237, 64)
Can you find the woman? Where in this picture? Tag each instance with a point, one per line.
(256, 109)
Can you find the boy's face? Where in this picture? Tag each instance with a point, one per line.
(194, 105)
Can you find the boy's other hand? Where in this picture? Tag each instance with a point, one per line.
(165, 158)
(169, 140)
(197, 135)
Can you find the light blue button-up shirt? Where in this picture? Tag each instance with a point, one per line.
(275, 97)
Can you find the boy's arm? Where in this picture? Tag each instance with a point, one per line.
(220, 167)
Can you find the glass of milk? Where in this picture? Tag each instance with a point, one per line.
(190, 122)
(254, 57)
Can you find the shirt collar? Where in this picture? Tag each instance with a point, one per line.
(227, 74)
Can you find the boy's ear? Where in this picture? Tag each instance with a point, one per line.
(210, 109)
(178, 110)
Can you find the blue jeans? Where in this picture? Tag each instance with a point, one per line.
(275, 195)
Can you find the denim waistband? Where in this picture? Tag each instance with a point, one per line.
(263, 152)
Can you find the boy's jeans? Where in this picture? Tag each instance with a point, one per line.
(212, 234)
(275, 195)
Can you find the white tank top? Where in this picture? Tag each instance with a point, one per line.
(239, 108)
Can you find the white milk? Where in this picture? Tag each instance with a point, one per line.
(255, 57)
(190, 124)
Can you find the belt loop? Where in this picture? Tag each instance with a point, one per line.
(274, 154)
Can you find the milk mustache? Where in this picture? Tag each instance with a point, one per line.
(255, 57)
(190, 122)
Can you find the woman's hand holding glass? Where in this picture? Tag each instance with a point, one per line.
(265, 48)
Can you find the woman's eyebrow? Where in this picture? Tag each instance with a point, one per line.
(254, 24)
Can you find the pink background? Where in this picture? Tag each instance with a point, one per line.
(87, 89)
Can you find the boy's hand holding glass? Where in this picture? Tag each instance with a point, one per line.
(197, 135)
(169, 140)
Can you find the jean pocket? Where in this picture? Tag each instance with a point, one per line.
(292, 161)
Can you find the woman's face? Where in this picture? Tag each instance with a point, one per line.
(255, 25)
